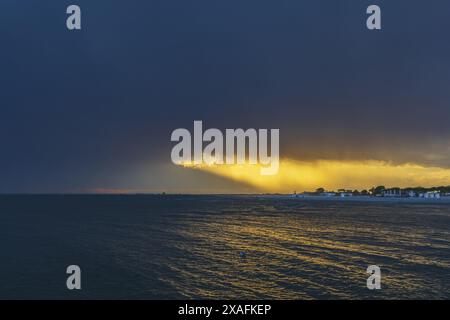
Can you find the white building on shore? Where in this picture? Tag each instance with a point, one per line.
(430, 195)
(346, 194)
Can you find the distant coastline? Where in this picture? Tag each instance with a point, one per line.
(341, 196)
(442, 200)
(380, 192)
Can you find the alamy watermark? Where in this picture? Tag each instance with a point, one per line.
(250, 146)
(73, 281)
(374, 20)
(374, 280)
(73, 21)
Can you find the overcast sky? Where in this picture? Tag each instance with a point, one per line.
(94, 109)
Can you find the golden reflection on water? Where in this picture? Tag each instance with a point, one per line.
(306, 251)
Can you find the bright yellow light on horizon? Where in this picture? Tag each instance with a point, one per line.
(331, 174)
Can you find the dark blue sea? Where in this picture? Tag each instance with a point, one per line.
(185, 247)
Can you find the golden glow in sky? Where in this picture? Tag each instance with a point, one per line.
(332, 175)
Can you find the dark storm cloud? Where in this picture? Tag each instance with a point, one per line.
(96, 107)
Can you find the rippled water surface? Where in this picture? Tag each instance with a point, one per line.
(162, 247)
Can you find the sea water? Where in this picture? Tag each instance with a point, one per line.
(164, 247)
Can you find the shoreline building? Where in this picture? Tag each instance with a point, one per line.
(430, 195)
(392, 192)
